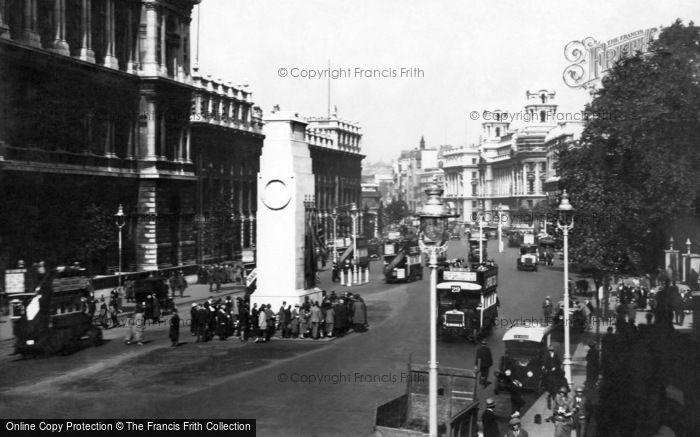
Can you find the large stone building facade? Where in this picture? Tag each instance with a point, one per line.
(99, 109)
(511, 169)
(335, 146)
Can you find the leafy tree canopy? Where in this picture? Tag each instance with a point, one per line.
(638, 164)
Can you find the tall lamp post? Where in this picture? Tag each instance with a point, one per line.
(500, 229)
(433, 242)
(334, 217)
(353, 215)
(481, 237)
(120, 220)
(566, 223)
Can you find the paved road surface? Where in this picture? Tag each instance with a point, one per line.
(302, 388)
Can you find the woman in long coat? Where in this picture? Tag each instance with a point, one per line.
(262, 326)
(359, 315)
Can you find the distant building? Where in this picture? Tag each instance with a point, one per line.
(510, 168)
(410, 168)
(461, 168)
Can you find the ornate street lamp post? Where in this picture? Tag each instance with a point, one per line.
(334, 217)
(120, 221)
(433, 242)
(500, 229)
(566, 223)
(481, 237)
(353, 215)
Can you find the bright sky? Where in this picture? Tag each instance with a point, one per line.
(474, 55)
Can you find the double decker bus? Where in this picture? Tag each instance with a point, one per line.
(402, 260)
(55, 316)
(467, 301)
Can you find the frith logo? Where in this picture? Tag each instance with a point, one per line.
(591, 59)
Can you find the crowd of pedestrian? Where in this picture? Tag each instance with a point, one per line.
(217, 274)
(640, 362)
(330, 317)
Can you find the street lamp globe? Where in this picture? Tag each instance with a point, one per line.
(433, 218)
(565, 210)
(119, 217)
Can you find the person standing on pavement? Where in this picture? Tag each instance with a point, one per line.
(315, 318)
(550, 368)
(547, 309)
(580, 412)
(484, 361)
(175, 328)
(282, 317)
(514, 429)
(592, 365)
(563, 413)
(173, 284)
(330, 321)
(517, 401)
(139, 326)
(261, 325)
(181, 283)
(489, 421)
(359, 314)
(193, 320)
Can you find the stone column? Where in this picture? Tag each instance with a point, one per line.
(163, 60)
(180, 155)
(109, 139)
(149, 65)
(4, 28)
(59, 45)
(29, 24)
(86, 52)
(162, 150)
(130, 42)
(110, 60)
(188, 149)
(151, 127)
(180, 73)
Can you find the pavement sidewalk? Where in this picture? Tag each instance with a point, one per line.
(194, 293)
(578, 377)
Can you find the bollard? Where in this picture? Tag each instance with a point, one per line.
(366, 275)
(356, 274)
(349, 281)
(342, 277)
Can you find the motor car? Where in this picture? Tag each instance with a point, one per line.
(525, 349)
(528, 258)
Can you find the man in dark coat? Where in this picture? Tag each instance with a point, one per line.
(282, 317)
(193, 320)
(175, 328)
(516, 396)
(592, 365)
(340, 318)
(181, 283)
(489, 420)
(359, 314)
(243, 320)
(484, 361)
